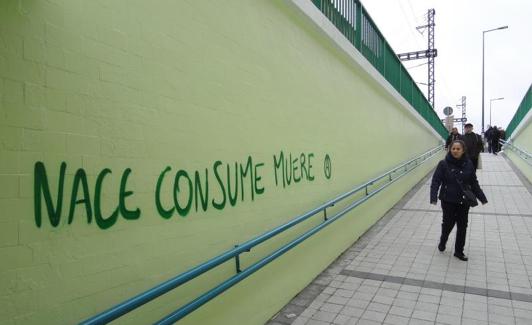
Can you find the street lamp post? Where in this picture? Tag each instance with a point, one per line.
(491, 101)
(483, 34)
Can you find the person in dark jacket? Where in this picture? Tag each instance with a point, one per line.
(488, 136)
(456, 167)
(473, 144)
(495, 136)
(454, 135)
(502, 134)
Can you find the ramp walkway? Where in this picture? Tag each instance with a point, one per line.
(394, 274)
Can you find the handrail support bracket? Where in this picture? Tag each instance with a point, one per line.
(237, 261)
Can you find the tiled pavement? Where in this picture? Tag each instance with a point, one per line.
(394, 274)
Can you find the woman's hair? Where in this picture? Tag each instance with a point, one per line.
(460, 142)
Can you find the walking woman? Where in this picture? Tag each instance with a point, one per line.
(455, 175)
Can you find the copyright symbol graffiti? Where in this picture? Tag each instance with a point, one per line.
(327, 168)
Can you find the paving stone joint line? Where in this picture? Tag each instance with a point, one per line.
(472, 212)
(439, 285)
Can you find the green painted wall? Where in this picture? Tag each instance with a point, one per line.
(524, 141)
(145, 85)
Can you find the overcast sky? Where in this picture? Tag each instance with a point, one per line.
(458, 39)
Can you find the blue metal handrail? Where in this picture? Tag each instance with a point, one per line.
(527, 157)
(139, 300)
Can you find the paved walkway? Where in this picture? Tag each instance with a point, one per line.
(394, 274)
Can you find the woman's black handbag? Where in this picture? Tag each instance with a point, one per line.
(469, 196)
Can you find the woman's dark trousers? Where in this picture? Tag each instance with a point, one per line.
(454, 213)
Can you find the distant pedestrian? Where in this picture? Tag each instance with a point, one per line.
(488, 136)
(502, 136)
(454, 135)
(473, 144)
(495, 136)
(455, 174)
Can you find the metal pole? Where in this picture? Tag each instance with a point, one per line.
(430, 77)
(463, 112)
(491, 101)
(483, 33)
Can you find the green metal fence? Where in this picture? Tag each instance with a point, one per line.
(353, 21)
(521, 112)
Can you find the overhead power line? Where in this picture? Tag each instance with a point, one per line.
(418, 65)
(428, 54)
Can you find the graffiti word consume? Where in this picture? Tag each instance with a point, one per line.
(230, 181)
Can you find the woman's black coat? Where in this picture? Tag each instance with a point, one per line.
(448, 171)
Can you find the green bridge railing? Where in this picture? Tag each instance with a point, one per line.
(521, 112)
(352, 20)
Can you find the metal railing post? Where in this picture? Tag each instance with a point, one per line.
(358, 24)
(237, 262)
